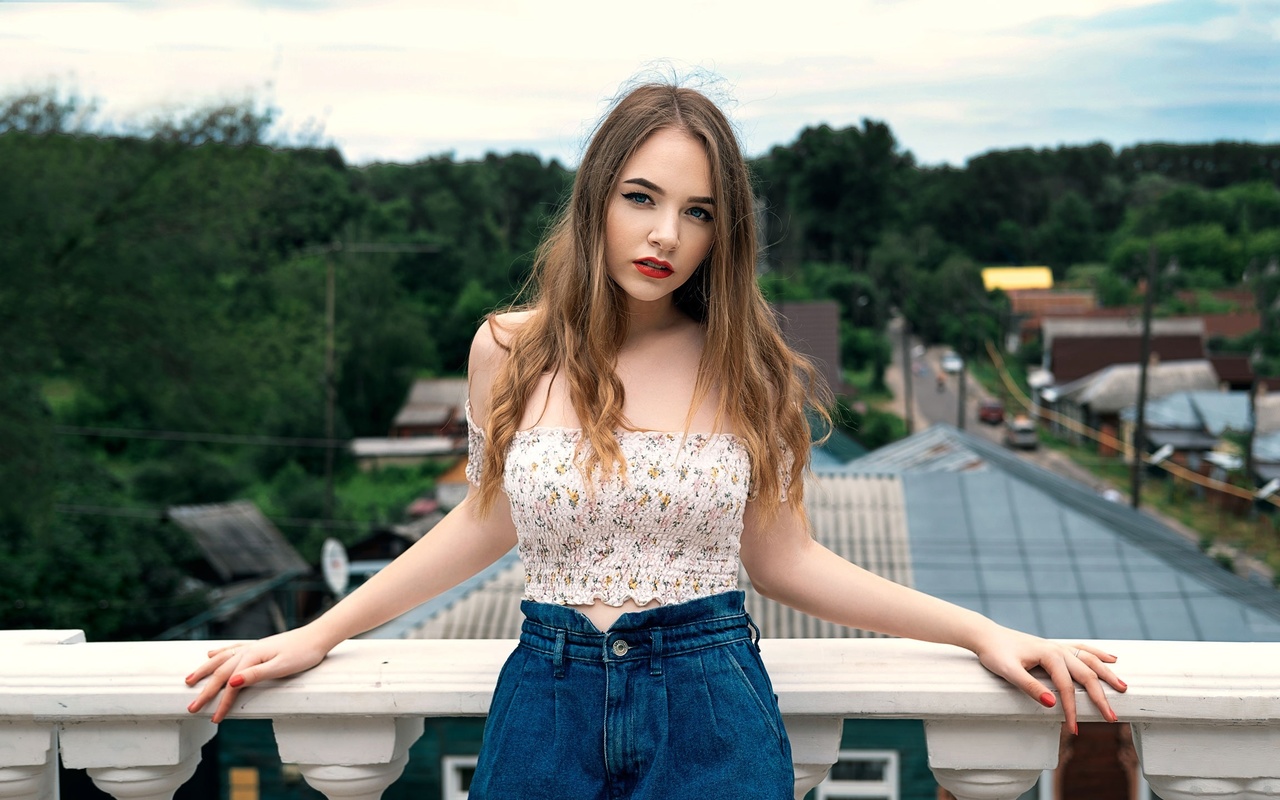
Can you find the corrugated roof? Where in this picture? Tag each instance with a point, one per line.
(433, 402)
(862, 519)
(1109, 390)
(932, 450)
(1209, 411)
(1069, 327)
(1091, 567)
(237, 540)
(1027, 559)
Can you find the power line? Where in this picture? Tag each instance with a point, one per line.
(161, 514)
(206, 438)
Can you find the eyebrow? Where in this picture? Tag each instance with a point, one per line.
(656, 189)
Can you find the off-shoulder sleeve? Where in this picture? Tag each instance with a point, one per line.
(784, 472)
(475, 448)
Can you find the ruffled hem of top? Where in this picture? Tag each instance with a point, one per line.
(590, 598)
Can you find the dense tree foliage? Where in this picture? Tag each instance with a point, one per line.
(162, 307)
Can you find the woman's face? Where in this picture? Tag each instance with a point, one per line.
(659, 222)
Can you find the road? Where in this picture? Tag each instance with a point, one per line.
(939, 403)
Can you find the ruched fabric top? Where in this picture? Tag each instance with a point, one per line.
(671, 531)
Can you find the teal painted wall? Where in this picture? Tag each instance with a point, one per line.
(915, 781)
(250, 743)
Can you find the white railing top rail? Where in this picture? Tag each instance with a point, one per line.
(43, 679)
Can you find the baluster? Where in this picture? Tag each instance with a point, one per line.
(352, 758)
(1184, 760)
(28, 766)
(139, 759)
(990, 759)
(815, 746)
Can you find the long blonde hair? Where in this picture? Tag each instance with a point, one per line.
(581, 322)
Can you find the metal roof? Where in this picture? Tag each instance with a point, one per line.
(1036, 550)
(932, 450)
(1112, 388)
(1209, 411)
(965, 520)
(237, 540)
(1070, 327)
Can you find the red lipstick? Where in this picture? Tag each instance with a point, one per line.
(653, 268)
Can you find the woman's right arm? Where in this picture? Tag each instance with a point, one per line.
(459, 546)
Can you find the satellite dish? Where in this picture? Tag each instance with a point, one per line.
(1160, 455)
(335, 566)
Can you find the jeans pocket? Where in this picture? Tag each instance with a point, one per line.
(748, 669)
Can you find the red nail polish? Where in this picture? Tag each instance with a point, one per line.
(236, 681)
(1123, 685)
(1047, 700)
(1075, 729)
(189, 677)
(1111, 716)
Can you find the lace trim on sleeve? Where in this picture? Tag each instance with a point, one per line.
(475, 448)
(784, 473)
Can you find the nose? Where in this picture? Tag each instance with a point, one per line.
(665, 234)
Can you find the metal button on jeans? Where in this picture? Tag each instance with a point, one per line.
(620, 648)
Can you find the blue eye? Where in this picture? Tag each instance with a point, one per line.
(697, 212)
(639, 198)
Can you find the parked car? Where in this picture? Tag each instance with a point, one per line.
(1020, 431)
(991, 412)
(951, 362)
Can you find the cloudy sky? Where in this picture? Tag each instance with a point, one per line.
(396, 80)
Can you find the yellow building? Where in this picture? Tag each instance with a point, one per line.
(1012, 279)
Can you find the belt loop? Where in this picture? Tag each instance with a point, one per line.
(755, 633)
(655, 653)
(558, 657)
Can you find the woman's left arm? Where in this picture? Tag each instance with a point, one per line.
(787, 565)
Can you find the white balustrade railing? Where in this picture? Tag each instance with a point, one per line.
(1205, 716)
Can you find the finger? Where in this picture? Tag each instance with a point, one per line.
(1033, 688)
(1088, 678)
(1102, 655)
(224, 707)
(207, 668)
(220, 675)
(1060, 674)
(1098, 663)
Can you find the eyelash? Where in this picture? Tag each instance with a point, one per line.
(640, 198)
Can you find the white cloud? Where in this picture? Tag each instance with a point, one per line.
(394, 79)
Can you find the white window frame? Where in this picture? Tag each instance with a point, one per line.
(451, 776)
(831, 789)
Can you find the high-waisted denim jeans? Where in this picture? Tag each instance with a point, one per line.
(669, 703)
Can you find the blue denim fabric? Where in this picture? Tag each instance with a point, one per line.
(670, 703)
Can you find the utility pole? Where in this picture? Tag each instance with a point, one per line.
(961, 377)
(330, 383)
(1265, 304)
(1140, 429)
(908, 416)
(330, 358)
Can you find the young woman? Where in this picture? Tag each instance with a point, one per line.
(638, 431)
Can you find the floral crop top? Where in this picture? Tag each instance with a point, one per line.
(670, 532)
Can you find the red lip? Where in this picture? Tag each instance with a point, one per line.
(653, 268)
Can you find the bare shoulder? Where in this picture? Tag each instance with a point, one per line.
(493, 338)
(489, 349)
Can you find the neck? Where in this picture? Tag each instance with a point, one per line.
(653, 317)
